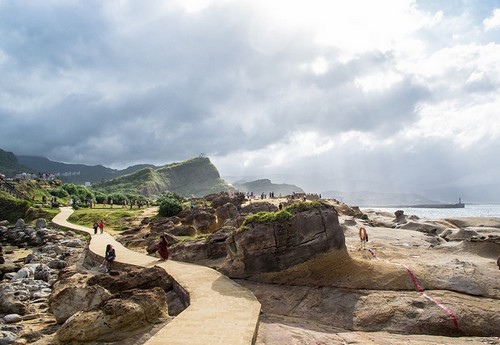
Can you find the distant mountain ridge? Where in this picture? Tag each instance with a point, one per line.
(266, 186)
(10, 165)
(76, 173)
(193, 177)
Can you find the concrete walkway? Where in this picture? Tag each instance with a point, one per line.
(220, 311)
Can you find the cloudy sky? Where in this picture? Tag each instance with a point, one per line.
(391, 95)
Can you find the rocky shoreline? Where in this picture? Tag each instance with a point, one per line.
(32, 263)
(429, 282)
(311, 269)
(48, 290)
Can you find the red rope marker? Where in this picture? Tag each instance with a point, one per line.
(421, 289)
(415, 281)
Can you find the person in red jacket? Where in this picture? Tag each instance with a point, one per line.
(163, 248)
(101, 225)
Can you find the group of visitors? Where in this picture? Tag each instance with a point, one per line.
(98, 225)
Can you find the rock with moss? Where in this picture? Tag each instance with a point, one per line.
(259, 207)
(274, 241)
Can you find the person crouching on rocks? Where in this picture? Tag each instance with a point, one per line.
(163, 248)
(109, 257)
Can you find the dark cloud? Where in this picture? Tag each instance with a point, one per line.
(103, 83)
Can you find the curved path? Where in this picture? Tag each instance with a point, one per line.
(220, 311)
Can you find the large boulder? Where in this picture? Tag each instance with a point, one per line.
(227, 211)
(182, 230)
(73, 299)
(146, 278)
(202, 219)
(259, 207)
(219, 199)
(400, 217)
(116, 319)
(213, 247)
(10, 304)
(267, 244)
(41, 223)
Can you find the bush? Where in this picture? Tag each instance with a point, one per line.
(170, 204)
(77, 192)
(59, 192)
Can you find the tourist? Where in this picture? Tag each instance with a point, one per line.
(163, 248)
(101, 226)
(95, 226)
(363, 236)
(109, 257)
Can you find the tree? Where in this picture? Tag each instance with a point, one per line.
(170, 204)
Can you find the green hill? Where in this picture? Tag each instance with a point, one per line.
(10, 166)
(194, 177)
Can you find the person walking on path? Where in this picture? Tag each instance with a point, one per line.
(109, 257)
(95, 226)
(163, 248)
(101, 226)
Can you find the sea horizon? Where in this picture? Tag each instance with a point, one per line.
(470, 210)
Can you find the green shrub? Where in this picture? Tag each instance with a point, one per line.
(282, 216)
(170, 204)
(59, 192)
(304, 206)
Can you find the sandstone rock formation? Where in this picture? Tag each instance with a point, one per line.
(259, 207)
(71, 294)
(146, 278)
(115, 319)
(369, 310)
(275, 244)
(110, 308)
(225, 212)
(219, 199)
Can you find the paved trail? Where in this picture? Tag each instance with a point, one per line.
(220, 311)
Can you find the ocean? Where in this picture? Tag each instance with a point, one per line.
(489, 211)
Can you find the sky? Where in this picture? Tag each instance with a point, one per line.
(387, 95)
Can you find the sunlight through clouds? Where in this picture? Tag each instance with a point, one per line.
(493, 22)
(311, 86)
(378, 81)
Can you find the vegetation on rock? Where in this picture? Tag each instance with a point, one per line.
(285, 215)
(12, 209)
(282, 216)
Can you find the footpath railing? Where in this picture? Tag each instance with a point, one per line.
(11, 189)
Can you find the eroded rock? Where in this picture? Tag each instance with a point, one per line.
(116, 319)
(260, 247)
